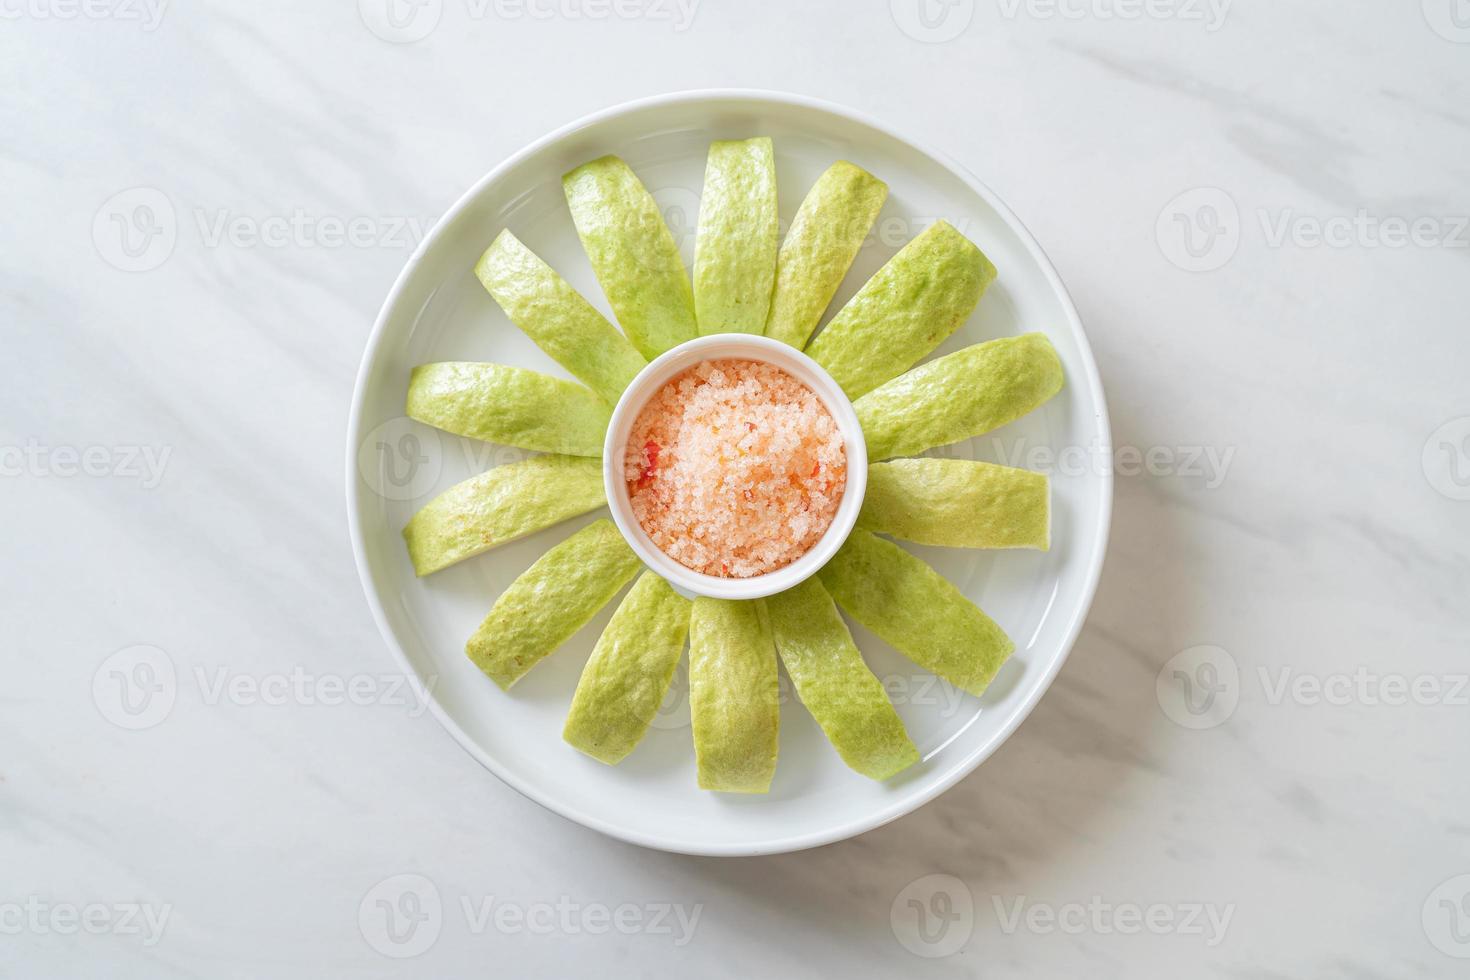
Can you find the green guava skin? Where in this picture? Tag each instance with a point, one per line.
(915, 610)
(510, 406)
(733, 695)
(633, 254)
(835, 684)
(739, 229)
(550, 601)
(907, 309)
(553, 314)
(628, 674)
(829, 228)
(958, 503)
(501, 505)
(959, 396)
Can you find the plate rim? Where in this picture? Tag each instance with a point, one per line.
(848, 828)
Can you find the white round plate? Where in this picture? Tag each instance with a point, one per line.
(437, 311)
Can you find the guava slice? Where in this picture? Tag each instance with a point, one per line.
(964, 394)
(735, 253)
(551, 600)
(629, 671)
(633, 254)
(915, 610)
(509, 405)
(500, 505)
(733, 695)
(824, 238)
(557, 318)
(907, 309)
(958, 503)
(835, 684)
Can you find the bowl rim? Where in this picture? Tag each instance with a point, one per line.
(872, 819)
(719, 346)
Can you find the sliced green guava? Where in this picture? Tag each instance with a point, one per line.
(629, 671)
(835, 683)
(823, 240)
(633, 254)
(964, 394)
(557, 318)
(733, 695)
(551, 600)
(500, 505)
(915, 610)
(907, 309)
(509, 405)
(735, 253)
(958, 503)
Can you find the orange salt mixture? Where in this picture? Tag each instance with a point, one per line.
(735, 468)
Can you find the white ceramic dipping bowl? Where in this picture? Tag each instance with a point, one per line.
(745, 346)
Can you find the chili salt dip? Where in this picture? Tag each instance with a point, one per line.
(735, 468)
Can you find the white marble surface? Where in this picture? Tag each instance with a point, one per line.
(1324, 832)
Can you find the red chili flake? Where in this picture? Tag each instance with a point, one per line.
(816, 467)
(650, 463)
